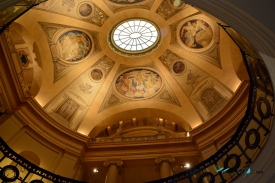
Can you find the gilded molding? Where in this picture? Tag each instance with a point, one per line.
(64, 63)
(209, 53)
(86, 11)
(206, 93)
(166, 9)
(114, 97)
(70, 105)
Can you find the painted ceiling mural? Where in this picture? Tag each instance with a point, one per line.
(119, 5)
(164, 77)
(87, 11)
(69, 46)
(138, 83)
(73, 46)
(206, 93)
(197, 34)
(70, 106)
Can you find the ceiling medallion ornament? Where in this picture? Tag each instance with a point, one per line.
(85, 9)
(134, 37)
(138, 83)
(96, 75)
(178, 67)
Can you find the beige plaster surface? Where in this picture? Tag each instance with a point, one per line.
(94, 121)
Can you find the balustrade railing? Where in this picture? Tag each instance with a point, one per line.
(140, 138)
(233, 159)
(237, 155)
(15, 168)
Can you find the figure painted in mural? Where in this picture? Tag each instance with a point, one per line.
(192, 79)
(85, 88)
(85, 10)
(70, 3)
(96, 74)
(73, 45)
(126, 1)
(178, 67)
(67, 109)
(196, 34)
(48, 3)
(23, 56)
(211, 99)
(138, 83)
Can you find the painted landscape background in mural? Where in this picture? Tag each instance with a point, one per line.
(138, 83)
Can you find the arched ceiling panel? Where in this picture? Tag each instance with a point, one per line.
(191, 80)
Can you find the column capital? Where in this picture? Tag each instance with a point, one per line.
(168, 159)
(113, 162)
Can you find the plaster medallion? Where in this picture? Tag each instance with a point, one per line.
(85, 9)
(96, 74)
(178, 67)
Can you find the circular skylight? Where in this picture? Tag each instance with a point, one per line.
(135, 36)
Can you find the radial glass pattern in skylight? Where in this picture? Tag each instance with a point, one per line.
(135, 35)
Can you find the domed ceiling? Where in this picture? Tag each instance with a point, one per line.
(90, 69)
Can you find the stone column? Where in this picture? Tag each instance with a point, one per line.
(114, 167)
(165, 166)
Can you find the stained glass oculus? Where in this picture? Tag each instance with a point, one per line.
(135, 35)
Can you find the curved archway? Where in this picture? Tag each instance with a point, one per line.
(136, 113)
(24, 41)
(254, 26)
(31, 156)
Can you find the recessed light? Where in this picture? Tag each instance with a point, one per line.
(187, 165)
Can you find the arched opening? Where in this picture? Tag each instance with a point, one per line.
(29, 56)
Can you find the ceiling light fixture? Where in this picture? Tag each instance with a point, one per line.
(187, 165)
